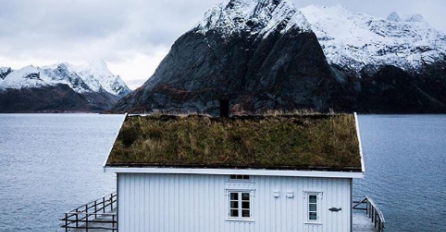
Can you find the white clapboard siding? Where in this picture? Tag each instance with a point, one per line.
(198, 203)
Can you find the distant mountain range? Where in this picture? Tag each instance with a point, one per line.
(387, 65)
(266, 55)
(354, 41)
(60, 88)
(261, 55)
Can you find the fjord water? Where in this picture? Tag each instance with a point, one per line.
(405, 162)
(50, 163)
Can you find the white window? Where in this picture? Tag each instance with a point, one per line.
(239, 177)
(313, 207)
(240, 205)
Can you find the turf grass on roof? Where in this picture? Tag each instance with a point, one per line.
(294, 142)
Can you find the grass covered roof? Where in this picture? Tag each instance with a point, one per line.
(290, 142)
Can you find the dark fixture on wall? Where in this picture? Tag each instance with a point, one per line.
(333, 209)
(224, 108)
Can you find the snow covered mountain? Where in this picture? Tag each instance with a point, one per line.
(59, 88)
(86, 78)
(260, 54)
(253, 16)
(98, 77)
(353, 41)
(265, 55)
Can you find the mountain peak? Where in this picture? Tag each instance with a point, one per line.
(255, 16)
(414, 18)
(97, 63)
(393, 16)
(97, 76)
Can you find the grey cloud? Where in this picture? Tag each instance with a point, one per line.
(104, 28)
(65, 19)
(115, 29)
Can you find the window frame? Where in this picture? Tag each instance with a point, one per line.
(240, 208)
(240, 178)
(318, 211)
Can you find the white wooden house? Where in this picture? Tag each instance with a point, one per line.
(261, 174)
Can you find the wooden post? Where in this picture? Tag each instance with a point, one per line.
(375, 219)
(86, 223)
(111, 202)
(113, 222)
(95, 209)
(368, 209)
(66, 222)
(103, 204)
(77, 218)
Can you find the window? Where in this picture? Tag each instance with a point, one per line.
(313, 207)
(239, 177)
(239, 205)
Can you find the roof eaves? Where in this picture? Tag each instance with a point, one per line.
(104, 165)
(253, 172)
(235, 167)
(360, 144)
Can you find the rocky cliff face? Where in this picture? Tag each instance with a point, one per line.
(4, 71)
(259, 54)
(53, 99)
(59, 88)
(263, 55)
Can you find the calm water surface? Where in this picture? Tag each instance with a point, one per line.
(50, 163)
(405, 161)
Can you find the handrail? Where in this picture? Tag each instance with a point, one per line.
(79, 218)
(372, 212)
(99, 214)
(381, 215)
(108, 197)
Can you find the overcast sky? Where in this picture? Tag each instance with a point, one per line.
(132, 36)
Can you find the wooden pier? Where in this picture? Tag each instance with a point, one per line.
(367, 217)
(97, 215)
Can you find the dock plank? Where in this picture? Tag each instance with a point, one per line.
(362, 223)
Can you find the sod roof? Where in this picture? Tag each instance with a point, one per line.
(286, 142)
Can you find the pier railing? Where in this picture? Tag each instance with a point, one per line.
(95, 215)
(372, 211)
